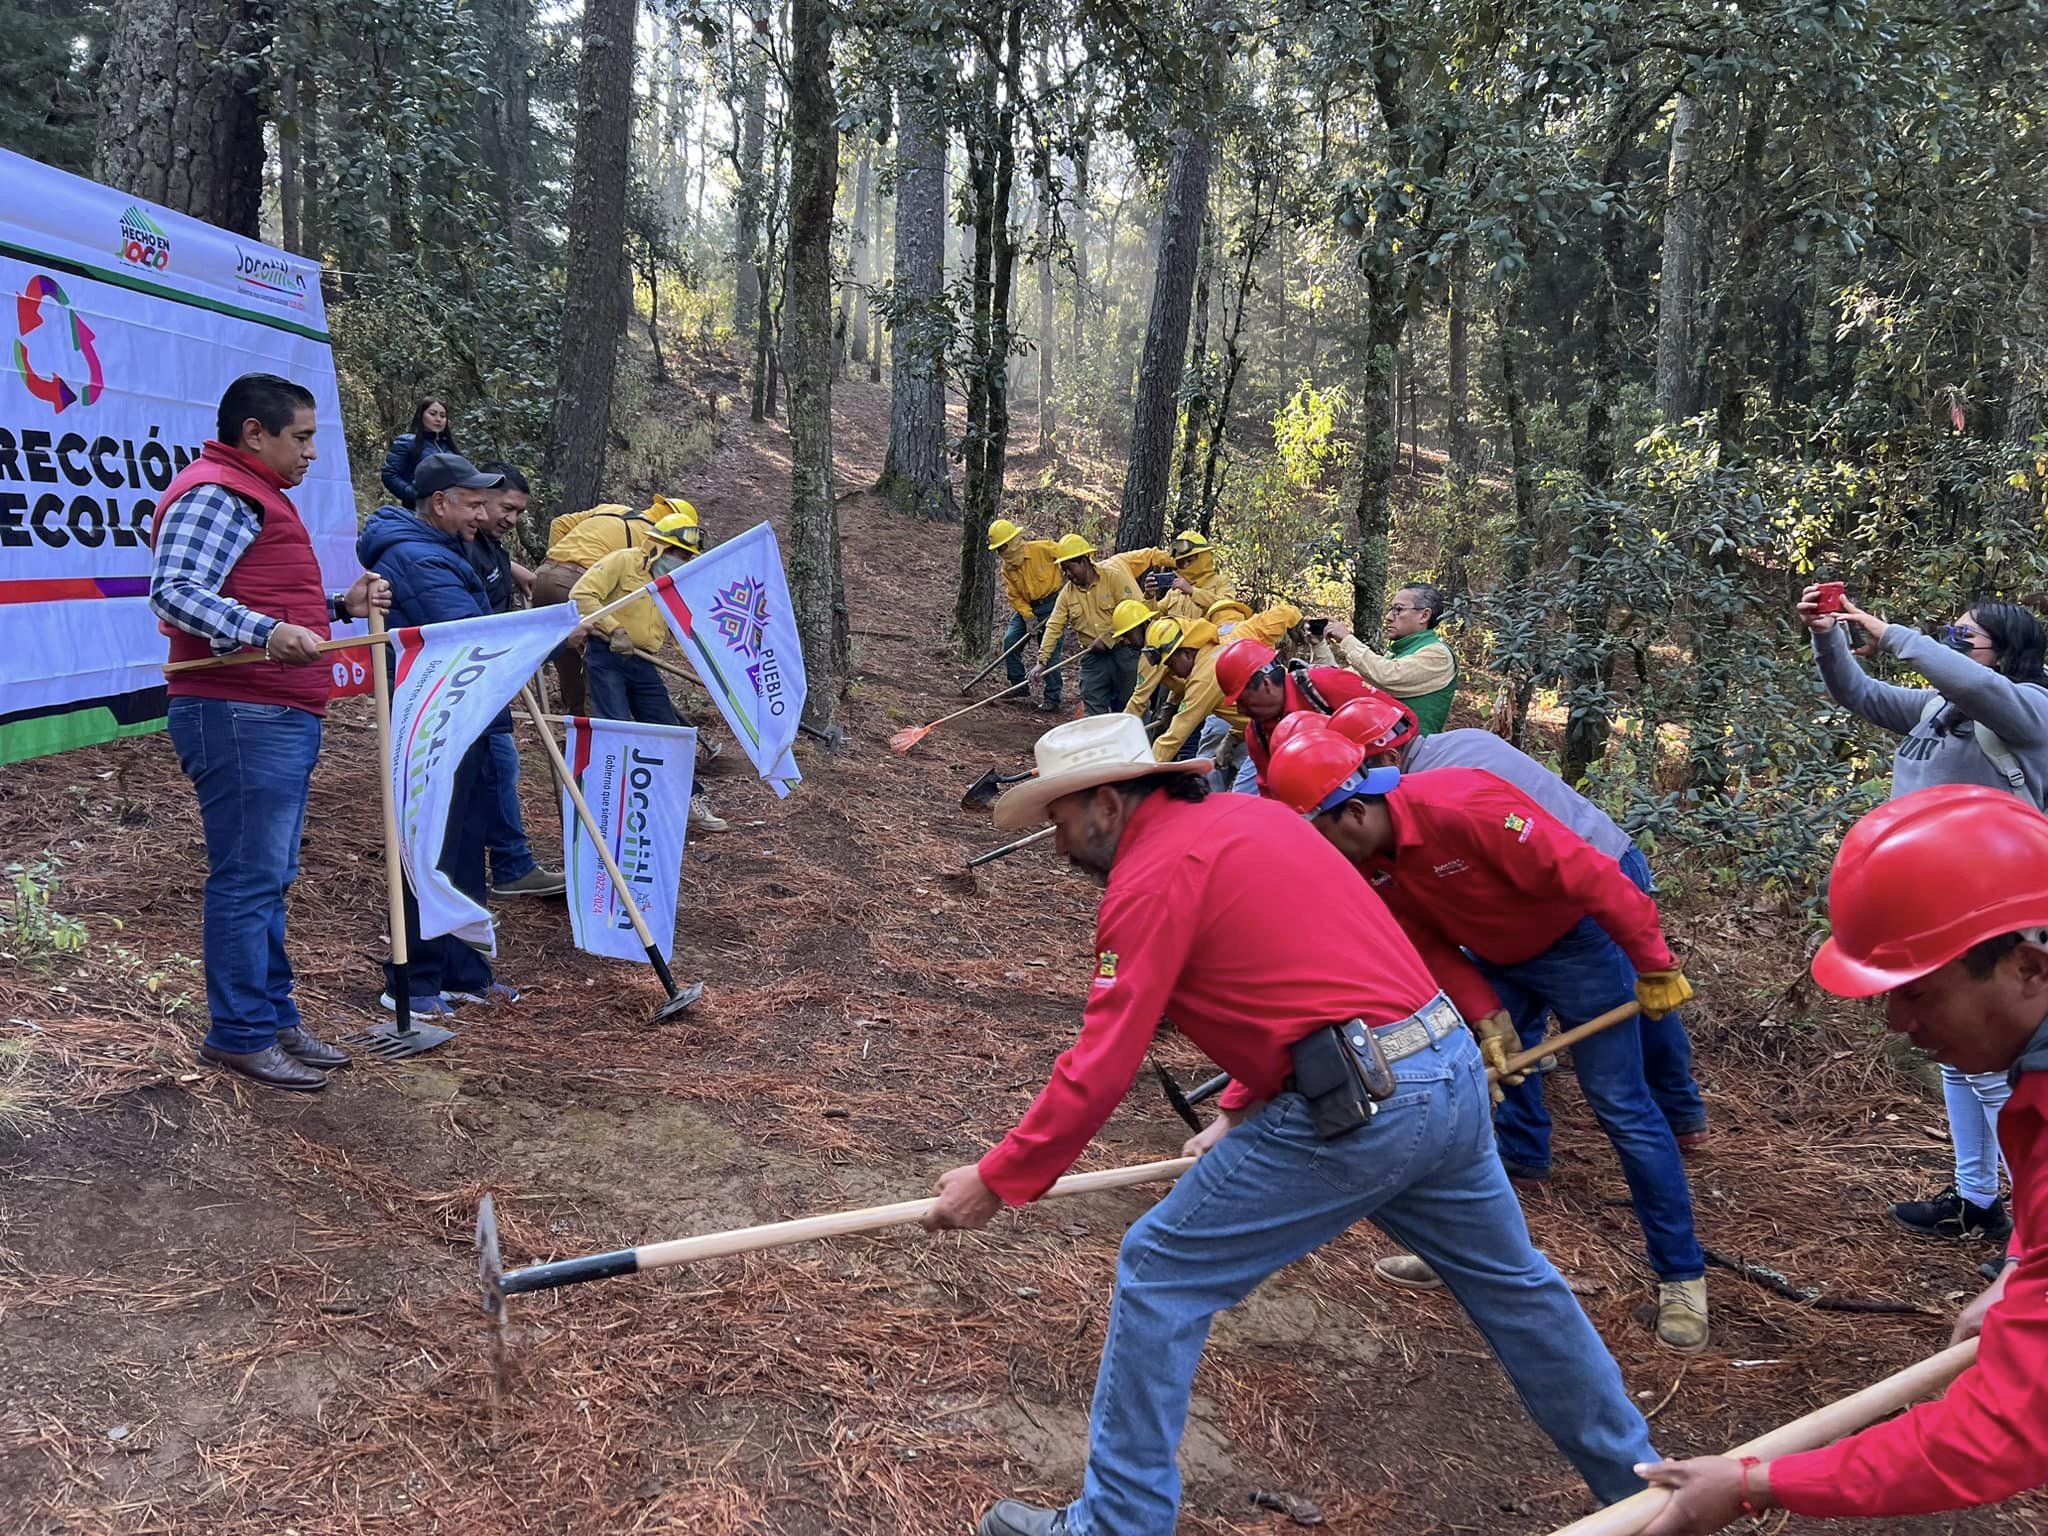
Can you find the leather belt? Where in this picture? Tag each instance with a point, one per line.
(1420, 1031)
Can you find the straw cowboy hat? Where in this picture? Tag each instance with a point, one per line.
(1082, 754)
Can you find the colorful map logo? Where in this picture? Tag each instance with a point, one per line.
(54, 349)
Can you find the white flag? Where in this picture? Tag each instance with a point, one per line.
(636, 781)
(729, 610)
(449, 682)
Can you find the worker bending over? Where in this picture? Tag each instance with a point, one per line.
(1266, 690)
(576, 542)
(1088, 605)
(1186, 653)
(1031, 581)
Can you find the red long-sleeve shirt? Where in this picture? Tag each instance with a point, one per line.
(1987, 1439)
(1478, 865)
(1238, 921)
(1338, 686)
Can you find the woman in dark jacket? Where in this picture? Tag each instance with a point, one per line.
(430, 434)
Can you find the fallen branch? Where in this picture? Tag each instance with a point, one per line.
(1809, 1295)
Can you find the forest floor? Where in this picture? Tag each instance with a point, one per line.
(230, 1311)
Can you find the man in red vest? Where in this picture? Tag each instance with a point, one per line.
(1939, 901)
(235, 569)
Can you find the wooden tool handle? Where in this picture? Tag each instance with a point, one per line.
(780, 1234)
(1524, 1060)
(1009, 848)
(376, 636)
(1809, 1431)
(590, 826)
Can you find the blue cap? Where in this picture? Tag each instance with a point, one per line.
(1373, 781)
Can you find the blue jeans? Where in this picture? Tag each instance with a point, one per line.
(1974, 1100)
(627, 688)
(446, 964)
(1247, 780)
(252, 765)
(1014, 669)
(1583, 975)
(504, 828)
(1667, 1050)
(1424, 1171)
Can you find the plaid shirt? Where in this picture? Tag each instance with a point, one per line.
(204, 533)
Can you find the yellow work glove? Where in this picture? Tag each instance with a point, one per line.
(621, 643)
(1661, 991)
(1497, 1042)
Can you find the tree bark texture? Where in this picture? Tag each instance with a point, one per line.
(2030, 329)
(1463, 447)
(291, 193)
(1048, 419)
(181, 116)
(507, 126)
(1678, 274)
(874, 278)
(593, 315)
(858, 261)
(915, 474)
(817, 588)
(1199, 398)
(747, 210)
(1164, 362)
(1521, 552)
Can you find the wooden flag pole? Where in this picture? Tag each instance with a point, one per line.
(394, 869)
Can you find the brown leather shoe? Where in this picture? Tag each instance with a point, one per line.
(269, 1066)
(301, 1045)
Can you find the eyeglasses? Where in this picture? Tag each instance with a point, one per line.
(1406, 608)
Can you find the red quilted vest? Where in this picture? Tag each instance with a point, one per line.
(278, 576)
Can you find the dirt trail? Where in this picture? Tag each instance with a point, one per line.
(228, 1312)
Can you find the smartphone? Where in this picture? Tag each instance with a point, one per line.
(1317, 626)
(1829, 599)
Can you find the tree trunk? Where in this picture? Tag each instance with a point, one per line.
(990, 137)
(1164, 361)
(1521, 550)
(817, 588)
(1379, 450)
(2030, 329)
(1462, 449)
(312, 156)
(915, 474)
(593, 313)
(181, 115)
(857, 260)
(874, 278)
(1048, 422)
(1077, 236)
(507, 119)
(290, 179)
(747, 209)
(1186, 502)
(1678, 275)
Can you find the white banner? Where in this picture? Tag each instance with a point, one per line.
(729, 610)
(450, 681)
(636, 780)
(121, 324)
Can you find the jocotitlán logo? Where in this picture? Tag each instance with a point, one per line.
(143, 241)
(54, 349)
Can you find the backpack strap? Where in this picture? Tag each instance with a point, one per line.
(1995, 751)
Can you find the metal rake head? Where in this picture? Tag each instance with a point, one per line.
(391, 1043)
(684, 1000)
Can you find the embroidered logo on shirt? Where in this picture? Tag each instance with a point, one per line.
(1105, 968)
(1449, 867)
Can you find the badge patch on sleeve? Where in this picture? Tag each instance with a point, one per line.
(1105, 968)
(1519, 825)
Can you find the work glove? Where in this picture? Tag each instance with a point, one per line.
(621, 643)
(1662, 991)
(1035, 675)
(1497, 1042)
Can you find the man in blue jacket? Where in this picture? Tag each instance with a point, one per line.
(424, 554)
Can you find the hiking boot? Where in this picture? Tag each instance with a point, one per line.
(435, 1007)
(1408, 1272)
(1525, 1176)
(300, 1045)
(1951, 1218)
(1009, 1518)
(1690, 1142)
(1046, 707)
(269, 1066)
(704, 819)
(535, 882)
(495, 994)
(1682, 1315)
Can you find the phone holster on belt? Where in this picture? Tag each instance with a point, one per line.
(1342, 1074)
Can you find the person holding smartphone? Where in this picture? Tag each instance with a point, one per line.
(1982, 719)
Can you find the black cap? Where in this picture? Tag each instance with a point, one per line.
(448, 472)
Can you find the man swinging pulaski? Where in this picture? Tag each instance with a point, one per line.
(1357, 1092)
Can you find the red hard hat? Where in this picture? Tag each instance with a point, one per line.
(1301, 774)
(1924, 878)
(1287, 727)
(1236, 663)
(1377, 721)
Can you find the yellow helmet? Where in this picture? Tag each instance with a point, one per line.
(1130, 614)
(1227, 610)
(1163, 639)
(677, 526)
(1001, 531)
(1187, 544)
(1071, 547)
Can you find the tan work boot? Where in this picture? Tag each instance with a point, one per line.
(703, 818)
(1682, 1315)
(1408, 1272)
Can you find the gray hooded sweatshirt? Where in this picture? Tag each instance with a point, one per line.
(1943, 748)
